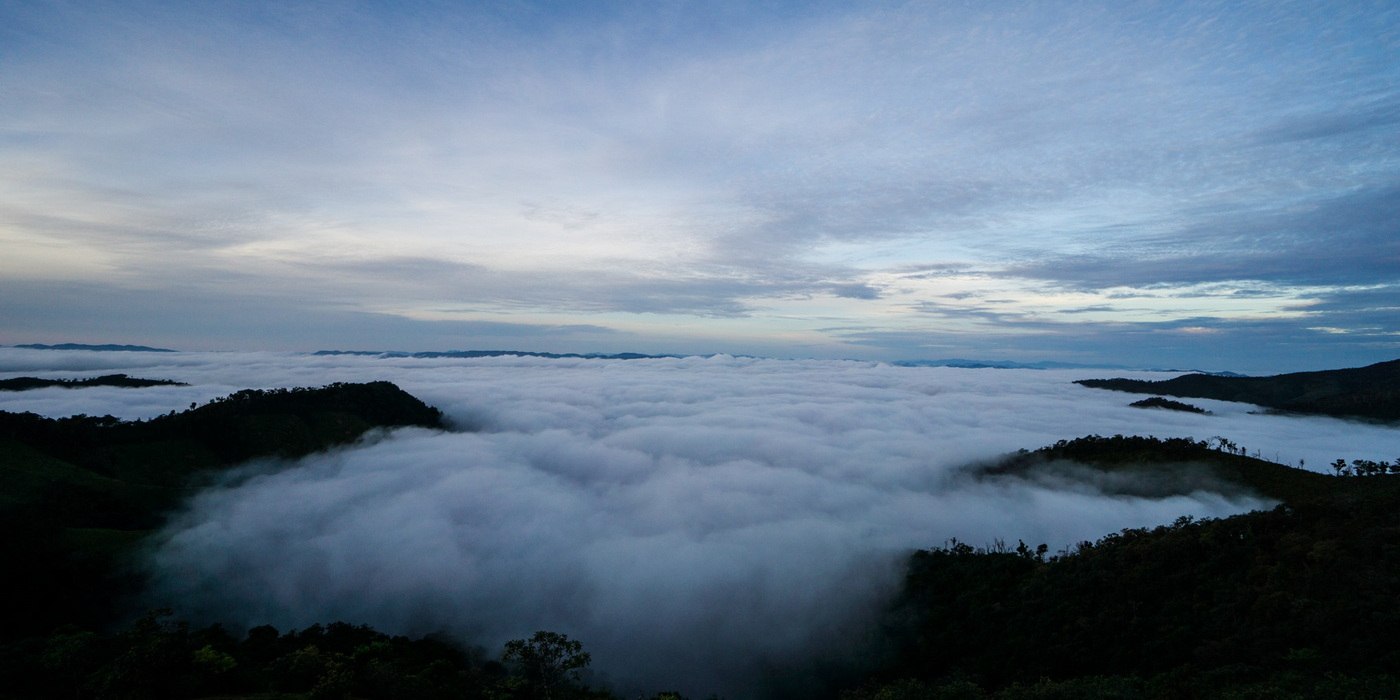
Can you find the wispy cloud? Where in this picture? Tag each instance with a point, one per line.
(694, 162)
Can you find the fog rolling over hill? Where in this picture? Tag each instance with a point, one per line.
(699, 523)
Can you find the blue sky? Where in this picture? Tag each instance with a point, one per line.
(1199, 184)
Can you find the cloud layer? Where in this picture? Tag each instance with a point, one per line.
(697, 178)
(699, 523)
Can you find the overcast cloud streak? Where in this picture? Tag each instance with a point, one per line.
(697, 178)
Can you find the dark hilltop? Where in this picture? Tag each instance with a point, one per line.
(1371, 392)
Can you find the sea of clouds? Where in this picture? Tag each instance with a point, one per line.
(699, 523)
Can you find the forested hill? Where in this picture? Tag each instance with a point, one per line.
(1363, 392)
(78, 493)
(1300, 601)
(1155, 468)
(244, 425)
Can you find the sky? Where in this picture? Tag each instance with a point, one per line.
(696, 523)
(1187, 184)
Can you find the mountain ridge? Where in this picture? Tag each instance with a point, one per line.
(1370, 392)
(98, 348)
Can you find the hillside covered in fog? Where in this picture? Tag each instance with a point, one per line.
(711, 525)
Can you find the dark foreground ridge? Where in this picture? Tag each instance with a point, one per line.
(1300, 601)
(117, 380)
(78, 494)
(251, 423)
(1363, 392)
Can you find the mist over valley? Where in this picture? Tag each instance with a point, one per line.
(705, 523)
(366, 350)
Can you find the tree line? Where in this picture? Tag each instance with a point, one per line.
(157, 658)
(1302, 600)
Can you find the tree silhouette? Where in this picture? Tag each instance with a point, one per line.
(548, 660)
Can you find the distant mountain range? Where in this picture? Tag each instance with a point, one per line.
(952, 362)
(962, 363)
(499, 353)
(1361, 392)
(1000, 364)
(1006, 364)
(956, 362)
(101, 348)
(117, 380)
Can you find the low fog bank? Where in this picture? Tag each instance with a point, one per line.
(693, 521)
(977, 413)
(681, 561)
